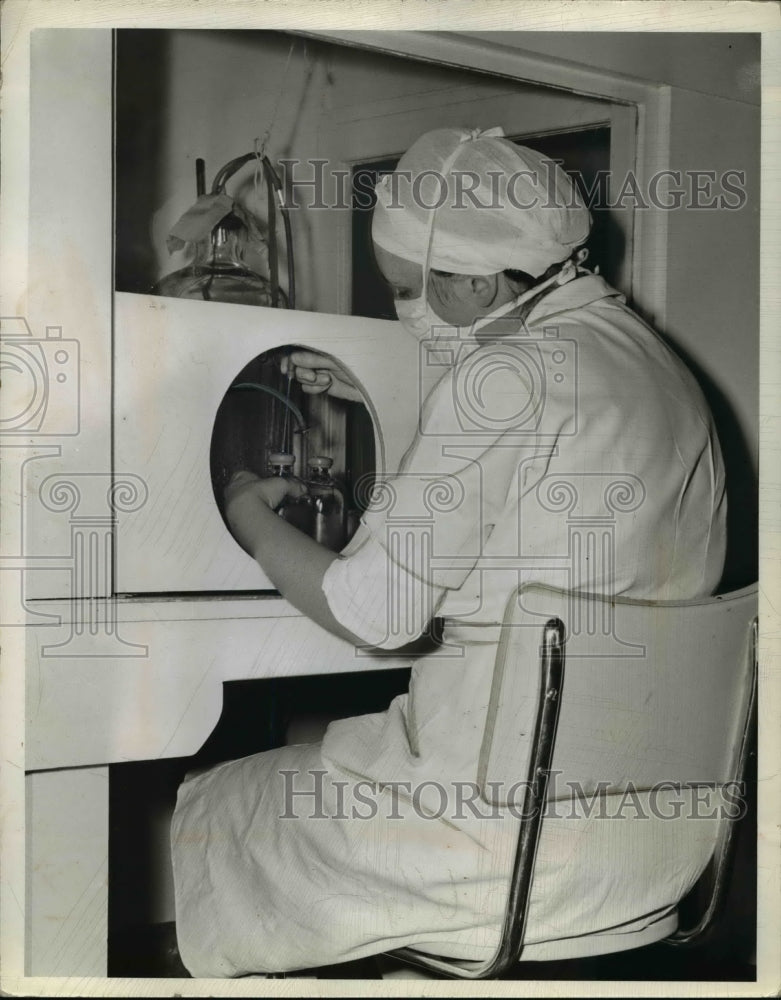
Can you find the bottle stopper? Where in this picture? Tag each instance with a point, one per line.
(283, 458)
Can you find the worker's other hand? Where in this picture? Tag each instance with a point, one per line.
(271, 490)
(243, 504)
(246, 498)
(318, 373)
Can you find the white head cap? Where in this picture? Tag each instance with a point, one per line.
(472, 202)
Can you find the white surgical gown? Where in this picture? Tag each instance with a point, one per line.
(576, 451)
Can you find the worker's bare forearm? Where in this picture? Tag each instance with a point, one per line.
(294, 563)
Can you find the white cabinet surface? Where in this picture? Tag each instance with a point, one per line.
(174, 360)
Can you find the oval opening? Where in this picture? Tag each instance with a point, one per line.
(263, 413)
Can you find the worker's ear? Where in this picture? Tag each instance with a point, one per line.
(483, 288)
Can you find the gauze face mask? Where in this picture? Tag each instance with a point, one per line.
(417, 316)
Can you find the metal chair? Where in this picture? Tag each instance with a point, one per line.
(681, 675)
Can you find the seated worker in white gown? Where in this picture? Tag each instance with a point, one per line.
(316, 854)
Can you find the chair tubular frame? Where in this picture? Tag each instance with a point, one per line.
(552, 665)
(552, 662)
(724, 854)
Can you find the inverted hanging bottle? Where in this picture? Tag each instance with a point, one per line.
(218, 272)
(221, 229)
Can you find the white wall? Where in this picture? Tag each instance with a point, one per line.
(724, 64)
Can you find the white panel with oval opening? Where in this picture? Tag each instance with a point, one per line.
(199, 393)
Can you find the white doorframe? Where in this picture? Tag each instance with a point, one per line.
(652, 100)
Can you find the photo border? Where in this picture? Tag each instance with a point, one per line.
(19, 18)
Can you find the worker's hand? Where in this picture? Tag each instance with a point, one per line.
(271, 490)
(318, 373)
(247, 497)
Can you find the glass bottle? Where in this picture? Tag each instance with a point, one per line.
(327, 502)
(295, 510)
(219, 273)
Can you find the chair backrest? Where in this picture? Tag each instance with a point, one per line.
(653, 691)
(611, 693)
